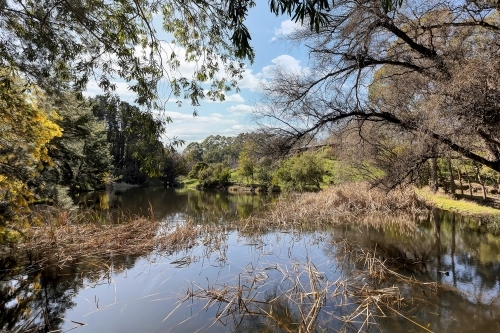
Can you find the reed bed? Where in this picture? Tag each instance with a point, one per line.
(338, 204)
(65, 235)
(58, 232)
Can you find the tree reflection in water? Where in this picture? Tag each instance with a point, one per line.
(444, 248)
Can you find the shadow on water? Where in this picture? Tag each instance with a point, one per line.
(145, 293)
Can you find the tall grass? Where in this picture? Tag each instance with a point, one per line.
(337, 204)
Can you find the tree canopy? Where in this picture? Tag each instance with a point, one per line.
(433, 72)
(54, 43)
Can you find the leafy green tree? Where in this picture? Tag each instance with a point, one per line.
(193, 153)
(174, 165)
(81, 155)
(53, 42)
(25, 130)
(197, 169)
(214, 175)
(246, 166)
(134, 138)
(301, 171)
(264, 171)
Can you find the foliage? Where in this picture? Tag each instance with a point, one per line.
(174, 165)
(246, 165)
(193, 153)
(134, 139)
(197, 168)
(214, 175)
(301, 171)
(216, 149)
(435, 88)
(264, 171)
(54, 42)
(81, 155)
(25, 131)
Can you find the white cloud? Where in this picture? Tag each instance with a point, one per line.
(186, 124)
(287, 27)
(237, 129)
(285, 62)
(240, 109)
(237, 98)
(249, 81)
(190, 129)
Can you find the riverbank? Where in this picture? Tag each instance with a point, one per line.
(87, 232)
(57, 230)
(232, 187)
(482, 213)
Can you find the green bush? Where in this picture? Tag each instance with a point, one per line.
(301, 173)
(197, 169)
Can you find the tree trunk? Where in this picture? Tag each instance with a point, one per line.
(480, 180)
(452, 180)
(498, 183)
(460, 181)
(433, 180)
(468, 181)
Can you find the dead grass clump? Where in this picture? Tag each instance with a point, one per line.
(336, 204)
(64, 234)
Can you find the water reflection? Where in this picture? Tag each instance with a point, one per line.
(132, 293)
(168, 203)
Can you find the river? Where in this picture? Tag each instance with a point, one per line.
(193, 290)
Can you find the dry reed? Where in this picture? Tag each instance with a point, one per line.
(301, 293)
(65, 235)
(338, 204)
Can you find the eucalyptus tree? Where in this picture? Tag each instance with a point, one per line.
(427, 73)
(58, 43)
(134, 139)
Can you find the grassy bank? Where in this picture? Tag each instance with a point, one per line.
(188, 183)
(473, 209)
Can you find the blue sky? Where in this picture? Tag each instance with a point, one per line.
(232, 116)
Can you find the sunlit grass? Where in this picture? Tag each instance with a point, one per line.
(461, 206)
(189, 183)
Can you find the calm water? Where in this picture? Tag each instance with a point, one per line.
(144, 293)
